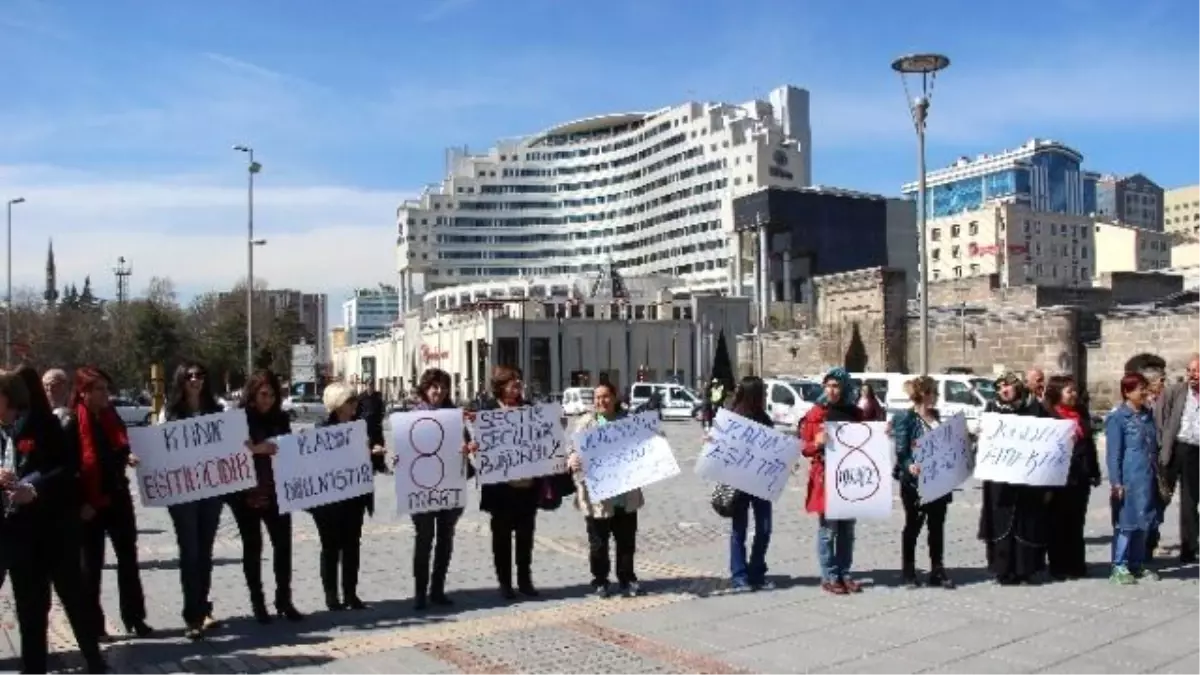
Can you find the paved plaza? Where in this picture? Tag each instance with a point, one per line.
(684, 624)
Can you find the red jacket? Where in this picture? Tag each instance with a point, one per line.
(813, 424)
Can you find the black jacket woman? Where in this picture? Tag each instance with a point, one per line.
(1012, 519)
(195, 522)
(39, 523)
(340, 524)
(258, 507)
(103, 445)
(1069, 503)
(435, 529)
(514, 505)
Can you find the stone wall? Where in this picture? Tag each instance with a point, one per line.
(1114, 288)
(996, 341)
(1173, 334)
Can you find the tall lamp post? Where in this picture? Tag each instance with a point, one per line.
(927, 67)
(252, 168)
(8, 294)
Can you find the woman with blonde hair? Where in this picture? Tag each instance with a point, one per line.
(907, 430)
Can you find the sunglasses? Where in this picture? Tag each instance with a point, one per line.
(195, 375)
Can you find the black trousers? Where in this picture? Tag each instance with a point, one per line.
(622, 528)
(931, 516)
(1187, 471)
(435, 534)
(117, 523)
(1066, 551)
(250, 523)
(339, 527)
(37, 563)
(509, 527)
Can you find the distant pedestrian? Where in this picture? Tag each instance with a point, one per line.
(868, 401)
(58, 390)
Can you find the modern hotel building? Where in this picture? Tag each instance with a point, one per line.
(651, 192)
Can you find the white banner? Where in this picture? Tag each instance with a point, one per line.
(520, 443)
(858, 471)
(193, 459)
(748, 456)
(323, 465)
(1024, 450)
(431, 471)
(944, 455)
(624, 455)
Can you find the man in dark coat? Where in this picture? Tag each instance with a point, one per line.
(371, 410)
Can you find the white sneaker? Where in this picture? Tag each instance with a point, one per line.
(631, 590)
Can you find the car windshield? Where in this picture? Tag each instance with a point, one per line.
(985, 387)
(587, 395)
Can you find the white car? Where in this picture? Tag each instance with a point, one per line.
(132, 413)
(789, 399)
(303, 406)
(577, 400)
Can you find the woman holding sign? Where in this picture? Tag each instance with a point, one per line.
(1069, 504)
(258, 507)
(835, 538)
(614, 518)
(195, 522)
(907, 430)
(340, 524)
(107, 512)
(435, 529)
(1131, 451)
(1013, 519)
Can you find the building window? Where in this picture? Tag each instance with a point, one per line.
(974, 269)
(936, 234)
(955, 252)
(955, 229)
(935, 254)
(958, 271)
(973, 228)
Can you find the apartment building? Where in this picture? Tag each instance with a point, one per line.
(370, 313)
(1123, 248)
(1182, 221)
(1009, 239)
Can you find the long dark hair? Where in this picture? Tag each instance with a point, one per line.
(750, 397)
(431, 377)
(1054, 390)
(177, 399)
(39, 403)
(257, 380)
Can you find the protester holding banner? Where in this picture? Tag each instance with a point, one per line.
(750, 401)
(514, 504)
(1069, 503)
(614, 518)
(258, 507)
(1131, 451)
(195, 522)
(39, 522)
(835, 538)
(1013, 522)
(103, 445)
(907, 429)
(435, 529)
(340, 524)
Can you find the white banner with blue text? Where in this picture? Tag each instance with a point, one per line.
(624, 455)
(516, 443)
(747, 456)
(1024, 450)
(431, 471)
(192, 459)
(323, 465)
(944, 455)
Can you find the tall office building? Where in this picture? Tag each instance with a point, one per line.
(1043, 175)
(370, 313)
(1133, 200)
(650, 191)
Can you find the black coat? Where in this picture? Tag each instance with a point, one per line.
(114, 481)
(506, 498)
(46, 458)
(262, 428)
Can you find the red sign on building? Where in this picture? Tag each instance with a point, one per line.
(433, 355)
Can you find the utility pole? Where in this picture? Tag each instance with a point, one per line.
(252, 168)
(122, 272)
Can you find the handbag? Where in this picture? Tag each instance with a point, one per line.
(549, 497)
(723, 499)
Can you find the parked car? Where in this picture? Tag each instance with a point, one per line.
(577, 400)
(303, 407)
(133, 412)
(676, 400)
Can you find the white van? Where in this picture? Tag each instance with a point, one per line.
(790, 398)
(678, 401)
(968, 394)
(578, 400)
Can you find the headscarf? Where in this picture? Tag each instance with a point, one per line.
(849, 391)
(1010, 377)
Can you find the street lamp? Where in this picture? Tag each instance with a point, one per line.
(8, 295)
(252, 168)
(927, 66)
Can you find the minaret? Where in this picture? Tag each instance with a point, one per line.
(51, 294)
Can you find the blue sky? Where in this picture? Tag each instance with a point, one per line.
(117, 116)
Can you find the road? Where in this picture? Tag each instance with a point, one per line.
(684, 623)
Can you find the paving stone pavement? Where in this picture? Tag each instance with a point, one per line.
(683, 624)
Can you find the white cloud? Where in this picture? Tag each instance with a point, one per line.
(320, 237)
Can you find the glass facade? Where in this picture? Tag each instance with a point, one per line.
(1052, 181)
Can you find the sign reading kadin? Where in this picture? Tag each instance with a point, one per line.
(192, 459)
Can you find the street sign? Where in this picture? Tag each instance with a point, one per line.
(304, 363)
